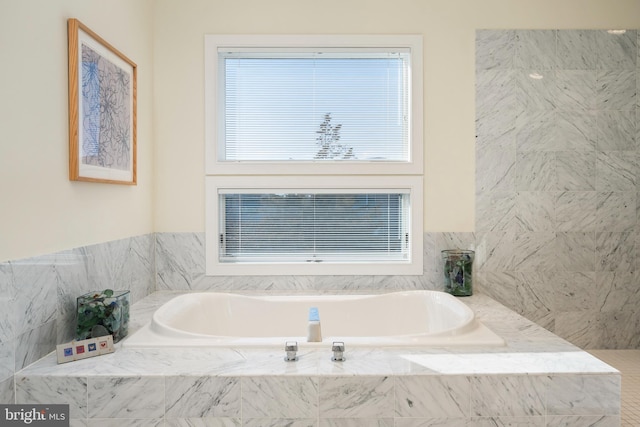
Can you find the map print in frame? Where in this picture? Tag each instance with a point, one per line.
(102, 110)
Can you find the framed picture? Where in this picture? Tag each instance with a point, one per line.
(102, 110)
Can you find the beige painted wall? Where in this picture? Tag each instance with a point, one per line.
(41, 211)
(448, 27)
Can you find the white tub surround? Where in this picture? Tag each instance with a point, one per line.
(536, 379)
(409, 318)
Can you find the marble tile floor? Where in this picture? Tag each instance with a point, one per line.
(628, 363)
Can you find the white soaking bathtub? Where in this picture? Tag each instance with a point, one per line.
(409, 318)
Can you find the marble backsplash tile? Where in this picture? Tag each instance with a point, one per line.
(7, 394)
(511, 396)
(616, 51)
(279, 397)
(55, 390)
(432, 396)
(576, 50)
(495, 49)
(356, 397)
(616, 90)
(202, 397)
(585, 395)
(575, 90)
(535, 49)
(125, 397)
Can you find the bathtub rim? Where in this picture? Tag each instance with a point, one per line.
(473, 333)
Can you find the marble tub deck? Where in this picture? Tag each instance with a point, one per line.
(537, 379)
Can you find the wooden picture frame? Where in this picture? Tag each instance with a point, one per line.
(102, 110)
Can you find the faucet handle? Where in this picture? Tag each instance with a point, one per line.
(291, 347)
(338, 351)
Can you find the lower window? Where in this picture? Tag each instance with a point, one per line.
(280, 230)
(310, 227)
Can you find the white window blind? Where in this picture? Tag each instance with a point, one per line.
(314, 227)
(315, 105)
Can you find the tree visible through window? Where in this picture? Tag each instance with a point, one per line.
(329, 141)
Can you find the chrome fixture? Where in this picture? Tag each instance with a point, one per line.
(338, 351)
(291, 347)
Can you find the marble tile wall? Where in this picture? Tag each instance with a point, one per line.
(180, 264)
(557, 180)
(38, 296)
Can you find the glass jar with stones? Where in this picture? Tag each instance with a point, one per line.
(458, 271)
(103, 313)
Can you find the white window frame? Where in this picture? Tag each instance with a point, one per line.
(216, 166)
(313, 175)
(284, 184)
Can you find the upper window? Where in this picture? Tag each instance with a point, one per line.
(305, 102)
(313, 106)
